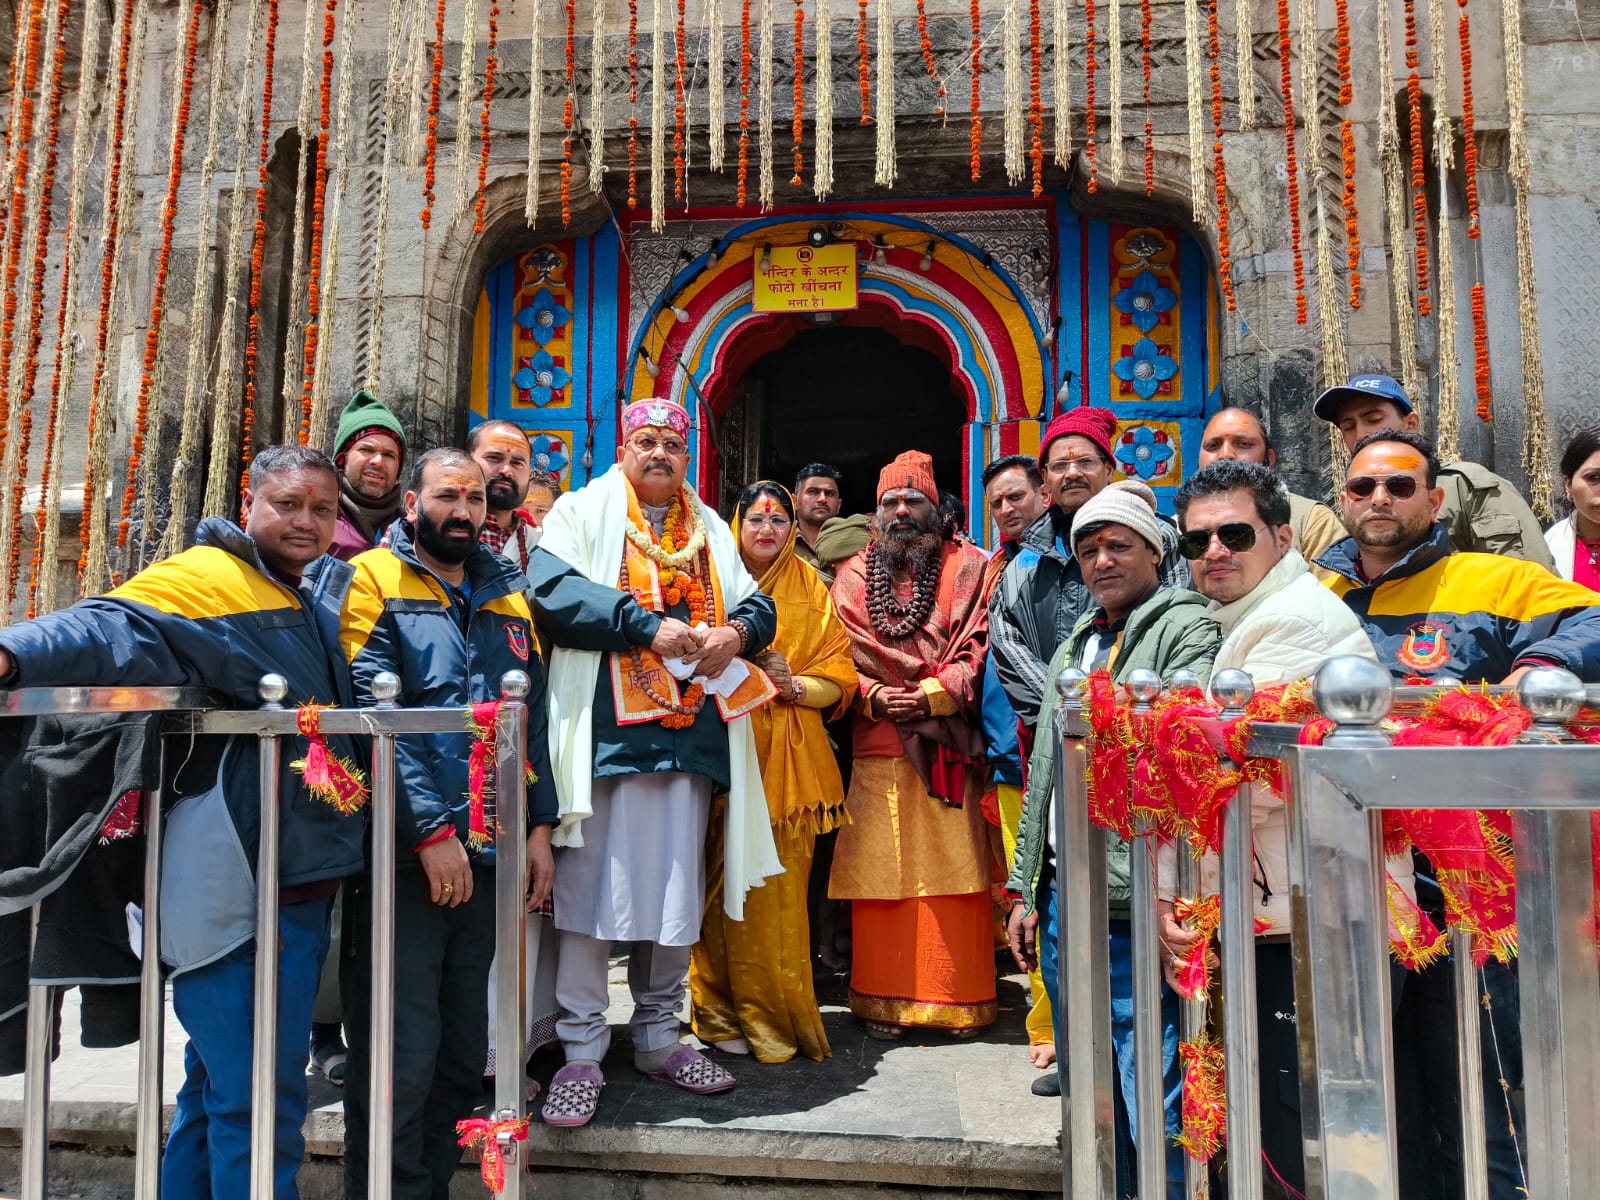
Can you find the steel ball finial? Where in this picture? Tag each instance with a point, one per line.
(1551, 695)
(1233, 689)
(1351, 690)
(385, 687)
(1182, 680)
(272, 689)
(1143, 686)
(1070, 683)
(515, 685)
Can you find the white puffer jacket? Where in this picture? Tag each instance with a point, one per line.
(1281, 631)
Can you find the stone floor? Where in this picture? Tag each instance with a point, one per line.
(925, 1117)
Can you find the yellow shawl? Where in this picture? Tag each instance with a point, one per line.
(798, 769)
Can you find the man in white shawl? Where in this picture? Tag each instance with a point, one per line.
(650, 697)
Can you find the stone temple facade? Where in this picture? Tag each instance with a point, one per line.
(980, 306)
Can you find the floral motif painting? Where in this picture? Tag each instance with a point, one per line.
(552, 452)
(1145, 315)
(542, 339)
(1149, 451)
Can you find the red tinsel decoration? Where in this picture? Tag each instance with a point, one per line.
(1286, 81)
(158, 294)
(864, 62)
(633, 103)
(337, 782)
(1036, 98)
(435, 88)
(319, 196)
(1205, 1117)
(483, 127)
(1145, 18)
(486, 1132)
(1219, 167)
(679, 109)
(1419, 179)
(975, 121)
(568, 112)
(798, 126)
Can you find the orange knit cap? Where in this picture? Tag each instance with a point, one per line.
(913, 469)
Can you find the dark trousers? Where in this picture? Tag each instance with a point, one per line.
(441, 1029)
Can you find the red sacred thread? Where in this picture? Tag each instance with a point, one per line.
(319, 196)
(169, 219)
(568, 112)
(1088, 113)
(1219, 167)
(435, 87)
(483, 128)
(18, 216)
(798, 127)
(258, 244)
(1419, 194)
(927, 54)
(1468, 121)
(1480, 355)
(1347, 150)
(864, 62)
(681, 67)
(976, 120)
(633, 103)
(744, 104)
(1035, 98)
(41, 245)
(1286, 71)
(1145, 17)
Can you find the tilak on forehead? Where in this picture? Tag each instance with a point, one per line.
(1396, 454)
(655, 413)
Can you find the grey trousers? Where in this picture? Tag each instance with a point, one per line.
(657, 977)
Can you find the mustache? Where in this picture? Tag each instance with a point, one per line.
(455, 526)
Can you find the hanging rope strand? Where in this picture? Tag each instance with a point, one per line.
(716, 92)
(305, 169)
(822, 118)
(1116, 152)
(466, 82)
(1449, 439)
(1194, 49)
(19, 213)
(597, 100)
(319, 200)
(658, 116)
(1335, 361)
(392, 84)
(321, 382)
(530, 199)
(1012, 116)
(1062, 83)
(1245, 64)
(1397, 223)
(884, 166)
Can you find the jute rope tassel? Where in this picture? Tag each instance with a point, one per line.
(1063, 83)
(1194, 51)
(1015, 93)
(322, 384)
(764, 184)
(822, 108)
(530, 200)
(1536, 451)
(658, 116)
(885, 171)
(716, 90)
(394, 81)
(1116, 156)
(466, 109)
(1397, 222)
(596, 116)
(1449, 439)
(418, 55)
(294, 326)
(1245, 63)
(1335, 361)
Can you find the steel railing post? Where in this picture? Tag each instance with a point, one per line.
(35, 1164)
(510, 874)
(152, 999)
(1149, 1082)
(1469, 1057)
(380, 1095)
(264, 1081)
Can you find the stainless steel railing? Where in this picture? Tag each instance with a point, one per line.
(190, 713)
(1339, 927)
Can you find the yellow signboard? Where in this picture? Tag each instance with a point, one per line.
(806, 278)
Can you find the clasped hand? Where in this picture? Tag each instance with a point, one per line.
(900, 704)
(710, 650)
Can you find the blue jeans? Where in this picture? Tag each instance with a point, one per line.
(1122, 1044)
(208, 1150)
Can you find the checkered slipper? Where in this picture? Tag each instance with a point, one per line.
(692, 1071)
(574, 1095)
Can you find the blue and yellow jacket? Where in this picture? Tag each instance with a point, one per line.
(450, 651)
(1474, 616)
(215, 617)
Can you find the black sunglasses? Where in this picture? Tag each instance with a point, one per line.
(1236, 537)
(1399, 487)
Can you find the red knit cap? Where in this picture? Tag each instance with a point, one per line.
(913, 469)
(1099, 425)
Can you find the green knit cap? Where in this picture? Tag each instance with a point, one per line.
(365, 412)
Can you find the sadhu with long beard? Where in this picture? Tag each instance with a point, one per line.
(914, 856)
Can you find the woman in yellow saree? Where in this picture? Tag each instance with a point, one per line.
(750, 980)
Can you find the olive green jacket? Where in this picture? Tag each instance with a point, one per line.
(1485, 514)
(1168, 632)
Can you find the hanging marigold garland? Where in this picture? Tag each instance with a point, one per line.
(435, 87)
(798, 127)
(1090, 118)
(975, 121)
(259, 243)
(1469, 141)
(1419, 178)
(568, 112)
(927, 56)
(633, 103)
(864, 62)
(319, 200)
(1145, 18)
(483, 120)
(169, 216)
(18, 208)
(1219, 166)
(744, 102)
(680, 66)
(1347, 150)
(1286, 80)
(1036, 97)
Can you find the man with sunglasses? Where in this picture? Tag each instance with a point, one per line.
(1482, 512)
(1480, 618)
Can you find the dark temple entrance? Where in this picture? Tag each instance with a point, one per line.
(851, 396)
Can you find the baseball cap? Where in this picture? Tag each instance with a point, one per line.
(1365, 387)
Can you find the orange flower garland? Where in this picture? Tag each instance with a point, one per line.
(679, 110)
(679, 586)
(319, 196)
(434, 90)
(798, 127)
(927, 54)
(169, 218)
(1219, 167)
(744, 104)
(975, 137)
(258, 244)
(1419, 180)
(1145, 17)
(1286, 71)
(483, 134)
(568, 111)
(1035, 99)
(1089, 121)
(1468, 121)
(633, 103)
(17, 216)
(1347, 149)
(864, 63)
(1480, 355)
